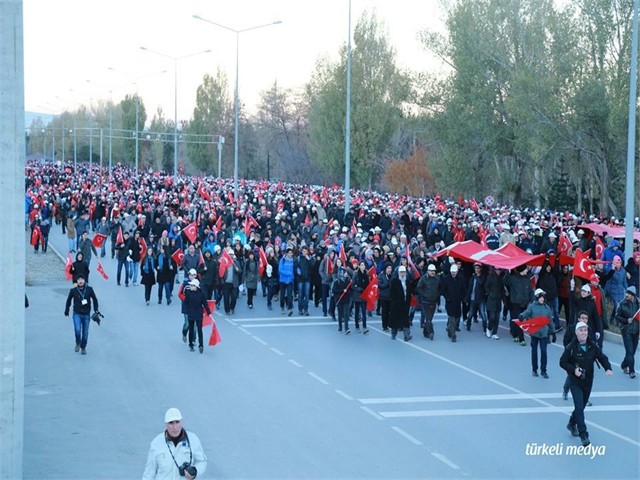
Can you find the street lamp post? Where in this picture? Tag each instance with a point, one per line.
(236, 101)
(175, 98)
(220, 144)
(347, 143)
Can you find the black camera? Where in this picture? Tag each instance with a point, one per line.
(583, 374)
(185, 467)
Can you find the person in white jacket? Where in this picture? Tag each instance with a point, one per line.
(175, 453)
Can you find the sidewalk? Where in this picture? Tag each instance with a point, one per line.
(42, 267)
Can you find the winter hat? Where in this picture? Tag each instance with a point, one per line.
(580, 325)
(617, 259)
(631, 290)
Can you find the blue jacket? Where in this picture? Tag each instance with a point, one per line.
(286, 270)
(609, 253)
(616, 284)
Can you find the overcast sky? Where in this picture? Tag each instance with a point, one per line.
(71, 44)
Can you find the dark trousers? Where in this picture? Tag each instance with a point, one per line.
(193, 325)
(286, 295)
(125, 264)
(360, 313)
(563, 302)
(580, 397)
(229, 295)
(166, 287)
(251, 292)
(493, 317)
(343, 313)
(515, 330)
(630, 345)
(272, 288)
(324, 294)
(429, 310)
(147, 292)
(385, 309)
(543, 342)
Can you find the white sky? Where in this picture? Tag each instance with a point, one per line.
(68, 42)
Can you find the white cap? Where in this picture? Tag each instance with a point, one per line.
(580, 232)
(539, 292)
(454, 268)
(172, 415)
(580, 325)
(195, 282)
(431, 267)
(552, 235)
(193, 271)
(586, 288)
(402, 268)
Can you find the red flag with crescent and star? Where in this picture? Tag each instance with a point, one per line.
(177, 256)
(191, 231)
(532, 325)
(581, 266)
(98, 240)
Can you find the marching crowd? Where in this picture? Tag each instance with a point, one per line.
(295, 246)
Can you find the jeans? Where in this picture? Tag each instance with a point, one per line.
(360, 313)
(543, 342)
(580, 397)
(81, 327)
(630, 345)
(72, 245)
(135, 268)
(343, 313)
(323, 298)
(286, 294)
(271, 291)
(477, 308)
(127, 271)
(195, 325)
(166, 287)
(554, 304)
(304, 287)
(229, 295)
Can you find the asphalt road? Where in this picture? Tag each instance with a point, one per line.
(289, 397)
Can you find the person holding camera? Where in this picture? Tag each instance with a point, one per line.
(577, 360)
(81, 295)
(175, 453)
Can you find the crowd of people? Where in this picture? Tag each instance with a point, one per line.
(296, 246)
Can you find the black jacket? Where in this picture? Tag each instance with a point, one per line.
(193, 304)
(78, 294)
(573, 356)
(428, 288)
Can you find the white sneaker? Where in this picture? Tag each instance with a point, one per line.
(495, 337)
(488, 332)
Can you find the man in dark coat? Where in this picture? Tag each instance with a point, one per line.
(400, 298)
(81, 295)
(454, 292)
(194, 302)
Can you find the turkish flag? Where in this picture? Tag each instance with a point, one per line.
(414, 301)
(599, 247)
(247, 226)
(177, 257)
(215, 337)
(581, 266)
(637, 315)
(67, 268)
(354, 229)
(343, 255)
(370, 294)
(225, 262)
(564, 244)
(373, 273)
(98, 240)
(203, 192)
(201, 259)
(101, 271)
(206, 318)
(143, 249)
(473, 204)
(218, 225)
(329, 266)
(181, 294)
(410, 262)
(35, 236)
(532, 325)
(119, 237)
(191, 231)
(262, 261)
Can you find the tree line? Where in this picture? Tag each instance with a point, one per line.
(530, 107)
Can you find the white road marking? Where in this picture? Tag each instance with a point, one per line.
(259, 340)
(275, 319)
(372, 413)
(504, 411)
(344, 395)
(245, 331)
(475, 398)
(318, 378)
(445, 460)
(409, 437)
(279, 325)
(291, 360)
(507, 387)
(276, 351)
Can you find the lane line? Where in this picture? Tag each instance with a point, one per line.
(318, 378)
(283, 319)
(504, 411)
(475, 398)
(409, 437)
(505, 386)
(344, 395)
(245, 330)
(282, 325)
(259, 340)
(291, 360)
(276, 351)
(372, 413)
(445, 460)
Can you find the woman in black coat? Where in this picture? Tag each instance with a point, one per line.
(148, 273)
(400, 303)
(80, 268)
(194, 303)
(165, 274)
(384, 295)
